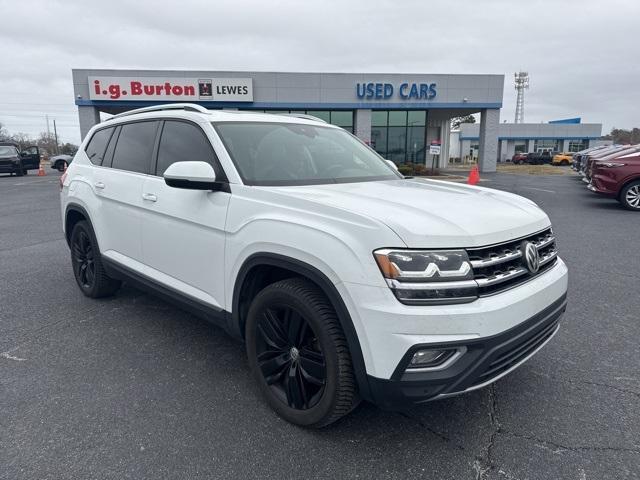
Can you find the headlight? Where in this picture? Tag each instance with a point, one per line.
(423, 277)
(610, 164)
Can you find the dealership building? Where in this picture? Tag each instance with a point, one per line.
(404, 117)
(556, 136)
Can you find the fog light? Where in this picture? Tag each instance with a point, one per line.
(430, 358)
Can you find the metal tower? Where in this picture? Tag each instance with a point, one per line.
(521, 81)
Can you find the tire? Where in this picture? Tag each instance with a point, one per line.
(19, 171)
(25, 172)
(293, 333)
(630, 196)
(564, 162)
(87, 263)
(61, 166)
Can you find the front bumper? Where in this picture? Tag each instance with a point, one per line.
(485, 361)
(604, 185)
(8, 166)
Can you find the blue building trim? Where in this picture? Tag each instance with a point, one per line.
(537, 138)
(297, 106)
(568, 121)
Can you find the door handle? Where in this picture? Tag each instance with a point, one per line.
(99, 185)
(150, 197)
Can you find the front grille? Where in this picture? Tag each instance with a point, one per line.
(516, 353)
(499, 267)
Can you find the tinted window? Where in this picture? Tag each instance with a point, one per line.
(134, 147)
(97, 145)
(297, 154)
(184, 142)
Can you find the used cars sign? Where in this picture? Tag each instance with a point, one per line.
(155, 88)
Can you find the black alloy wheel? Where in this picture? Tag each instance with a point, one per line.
(87, 264)
(299, 355)
(83, 260)
(290, 357)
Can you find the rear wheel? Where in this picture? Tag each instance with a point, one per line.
(298, 354)
(87, 264)
(630, 196)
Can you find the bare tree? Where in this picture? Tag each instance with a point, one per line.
(24, 140)
(456, 121)
(4, 133)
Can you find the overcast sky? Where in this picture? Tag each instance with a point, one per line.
(582, 56)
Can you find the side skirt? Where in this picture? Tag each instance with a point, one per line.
(194, 306)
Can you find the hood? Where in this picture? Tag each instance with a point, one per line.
(433, 214)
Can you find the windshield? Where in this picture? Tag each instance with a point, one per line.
(295, 154)
(6, 151)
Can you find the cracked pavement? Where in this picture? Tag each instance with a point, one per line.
(132, 387)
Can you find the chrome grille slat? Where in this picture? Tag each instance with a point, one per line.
(503, 266)
(506, 257)
(501, 277)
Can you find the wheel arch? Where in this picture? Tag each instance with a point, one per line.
(626, 182)
(261, 262)
(73, 214)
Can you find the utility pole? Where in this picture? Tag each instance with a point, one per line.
(55, 133)
(48, 131)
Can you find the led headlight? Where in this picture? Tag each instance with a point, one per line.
(423, 277)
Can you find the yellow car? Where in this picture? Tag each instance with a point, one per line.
(564, 158)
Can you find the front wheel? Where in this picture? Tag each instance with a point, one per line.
(630, 196)
(298, 354)
(19, 171)
(61, 166)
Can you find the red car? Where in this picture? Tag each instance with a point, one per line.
(519, 158)
(618, 178)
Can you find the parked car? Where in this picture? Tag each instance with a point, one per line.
(597, 155)
(619, 178)
(17, 162)
(581, 155)
(628, 149)
(60, 162)
(562, 158)
(539, 158)
(345, 280)
(519, 158)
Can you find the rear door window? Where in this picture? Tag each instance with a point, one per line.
(184, 142)
(97, 145)
(135, 147)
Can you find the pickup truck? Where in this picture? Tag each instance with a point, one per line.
(539, 158)
(12, 160)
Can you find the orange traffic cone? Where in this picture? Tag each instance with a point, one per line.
(474, 176)
(41, 172)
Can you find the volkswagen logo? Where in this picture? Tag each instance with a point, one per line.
(531, 256)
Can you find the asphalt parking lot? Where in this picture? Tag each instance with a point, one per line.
(132, 387)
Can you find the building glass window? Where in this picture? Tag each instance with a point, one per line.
(547, 146)
(577, 145)
(379, 118)
(399, 135)
(520, 147)
(340, 118)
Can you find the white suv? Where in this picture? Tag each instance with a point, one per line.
(346, 280)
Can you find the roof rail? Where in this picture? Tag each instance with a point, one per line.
(190, 107)
(301, 115)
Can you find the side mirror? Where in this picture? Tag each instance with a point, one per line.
(392, 164)
(190, 175)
